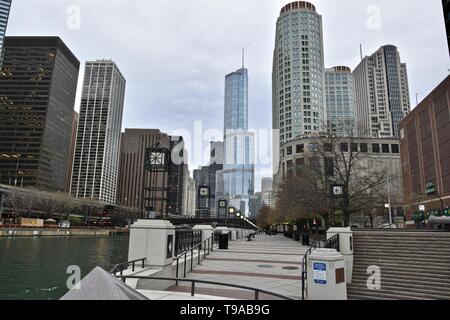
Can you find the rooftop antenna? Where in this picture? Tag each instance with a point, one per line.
(243, 58)
(361, 51)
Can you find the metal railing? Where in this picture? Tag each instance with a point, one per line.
(207, 246)
(195, 281)
(186, 239)
(124, 266)
(332, 243)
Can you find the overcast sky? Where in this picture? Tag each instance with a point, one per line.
(175, 54)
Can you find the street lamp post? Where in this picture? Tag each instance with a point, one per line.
(17, 156)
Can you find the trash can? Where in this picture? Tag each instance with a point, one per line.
(305, 240)
(223, 241)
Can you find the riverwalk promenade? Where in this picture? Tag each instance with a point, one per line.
(271, 263)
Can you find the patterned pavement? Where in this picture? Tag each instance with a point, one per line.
(271, 263)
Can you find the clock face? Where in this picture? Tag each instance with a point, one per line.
(204, 192)
(157, 159)
(338, 190)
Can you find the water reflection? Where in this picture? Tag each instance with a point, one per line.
(35, 268)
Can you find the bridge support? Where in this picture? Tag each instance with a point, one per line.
(153, 240)
(207, 231)
(345, 248)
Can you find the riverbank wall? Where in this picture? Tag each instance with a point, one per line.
(5, 232)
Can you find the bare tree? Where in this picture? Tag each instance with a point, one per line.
(343, 161)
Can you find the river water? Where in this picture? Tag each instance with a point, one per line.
(35, 268)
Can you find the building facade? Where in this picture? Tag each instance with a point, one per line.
(134, 144)
(96, 162)
(382, 93)
(298, 78)
(189, 195)
(72, 150)
(425, 150)
(376, 158)
(5, 8)
(340, 101)
(38, 85)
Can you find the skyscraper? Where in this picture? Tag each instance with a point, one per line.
(382, 93)
(298, 72)
(340, 101)
(72, 150)
(134, 143)
(237, 176)
(446, 7)
(5, 7)
(96, 162)
(38, 84)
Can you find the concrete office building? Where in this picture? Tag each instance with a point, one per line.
(375, 157)
(298, 72)
(382, 93)
(425, 150)
(133, 177)
(38, 85)
(96, 162)
(340, 101)
(134, 143)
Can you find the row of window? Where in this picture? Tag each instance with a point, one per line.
(345, 147)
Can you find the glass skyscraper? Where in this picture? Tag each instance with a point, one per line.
(5, 6)
(236, 180)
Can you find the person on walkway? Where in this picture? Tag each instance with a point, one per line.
(423, 224)
(416, 219)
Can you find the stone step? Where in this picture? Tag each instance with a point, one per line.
(380, 260)
(354, 294)
(409, 282)
(396, 289)
(402, 242)
(398, 261)
(437, 242)
(425, 234)
(401, 254)
(442, 274)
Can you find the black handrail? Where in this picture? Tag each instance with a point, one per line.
(207, 246)
(332, 243)
(194, 281)
(124, 266)
(186, 239)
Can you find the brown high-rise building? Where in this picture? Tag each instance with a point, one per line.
(425, 150)
(72, 150)
(131, 169)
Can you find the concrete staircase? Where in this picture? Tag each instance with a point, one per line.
(414, 265)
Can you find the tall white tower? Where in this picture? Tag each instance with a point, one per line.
(96, 161)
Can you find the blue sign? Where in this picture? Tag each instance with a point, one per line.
(320, 273)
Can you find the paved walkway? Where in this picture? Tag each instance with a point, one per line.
(271, 263)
